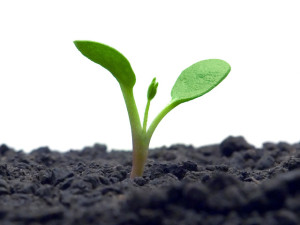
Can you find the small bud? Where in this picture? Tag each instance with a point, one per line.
(152, 89)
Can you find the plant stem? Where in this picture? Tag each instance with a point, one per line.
(141, 138)
(133, 114)
(146, 116)
(139, 142)
(159, 117)
(140, 154)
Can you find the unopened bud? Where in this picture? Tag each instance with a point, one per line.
(152, 89)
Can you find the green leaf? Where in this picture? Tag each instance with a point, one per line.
(198, 79)
(110, 59)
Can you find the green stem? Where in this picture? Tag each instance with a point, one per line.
(159, 117)
(146, 116)
(139, 157)
(133, 114)
(139, 142)
(141, 138)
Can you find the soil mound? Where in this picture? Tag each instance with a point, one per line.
(231, 183)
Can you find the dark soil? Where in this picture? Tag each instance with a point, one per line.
(231, 183)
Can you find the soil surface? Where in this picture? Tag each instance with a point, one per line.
(229, 183)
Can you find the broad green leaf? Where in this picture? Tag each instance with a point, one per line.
(199, 79)
(110, 59)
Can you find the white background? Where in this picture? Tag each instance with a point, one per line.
(50, 95)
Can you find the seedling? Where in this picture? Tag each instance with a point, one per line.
(193, 82)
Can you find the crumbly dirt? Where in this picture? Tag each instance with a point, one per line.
(232, 183)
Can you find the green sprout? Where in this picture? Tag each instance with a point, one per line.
(193, 82)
